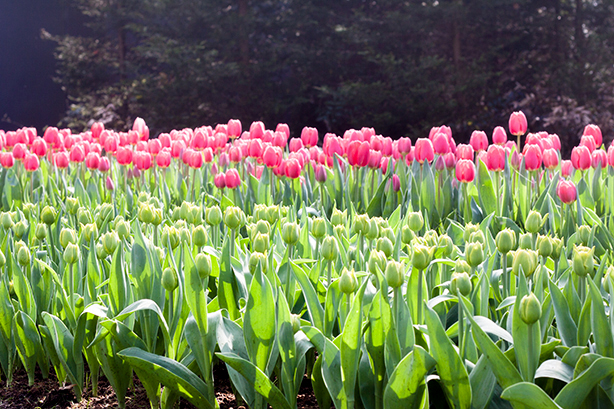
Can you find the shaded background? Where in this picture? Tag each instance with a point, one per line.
(398, 66)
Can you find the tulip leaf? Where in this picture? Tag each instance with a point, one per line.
(351, 343)
(259, 381)
(450, 368)
(406, 387)
(316, 312)
(529, 395)
(170, 373)
(486, 191)
(555, 369)
(29, 345)
(483, 383)
(599, 323)
(564, 323)
(575, 393)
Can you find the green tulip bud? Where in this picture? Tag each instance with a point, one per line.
(196, 214)
(90, 231)
(105, 212)
(28, 209)
(318, 228)
(157, 220)
(71, 253)
(84, 216)
(583, 263)
(474, 254)
(527, 259)
(389, 234)
(385, 245)
(234, 217)
(213, 215)
(348, 282)
(184, 235)
(123, 230)
(415, 221)
(256, 258)
(422, 256)
(377, 260)
(584, 233)
(261, 243)
(101, 253)
(260, 212)
(477, 237)
(469, 229)
(462, 283)
(340, 230)
(338, 217)
(20, 229)
(199, 236)
(170, 281)
(290, 233)
(330, 248)
(72, 205)
(373, 231)
(48, 216)
(446, 243)
(431, 238)
(530, 309)
(273, 213)
(23, 255)
(41, 231)
(184, 210)
(176, 214)
(203, 265)
(361, 224)
(394, 274)
(534, 222)
(262, 226)
(544, 246)
(146, 213)
(525, 241)
(609, 274)
(407, 235)
(557, 248)
(461, 266)
(6, 220)
(110, 241)
(505, 240)
(67, 236)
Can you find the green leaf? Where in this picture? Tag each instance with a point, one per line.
(599, 322)
(407, 387)
(29, 345)
(450, 368)
(575, 393)
(261, 383)
(555, 369)
(486, 191)
(351, 344)
(564, 323)
(119, 284)
(316, 312)
(170, 373)
(483, 383)
(529, 395)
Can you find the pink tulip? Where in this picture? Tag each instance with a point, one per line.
(232, 179)
(141, 128)
(292, 168)
(464, 152)
(7, 160)
(165, 140)
(234, 154)
(581, 157)
(566, 190)
(208, 155)
(404, 145)
(595, 131)
(423, 150)
(30, 162)
(196, 160)
(358, 153)
(61, 160)
(320, 173)
(555, 140)
(39, 147)
(309, 136)
(550, 159)
(566, 168)
(295, 144)
(143, 160)
(449, 160)
(610, 155)
(396, 183)
(256, 130)
(284, 128)
(96, 129)
(272, 156)
(255, 148)
(478, 141)
(499, 136)
(465, 171)
(109, 184)
(495, 158)
(92, 160)
(518, 123)
(19, 151)
(163, 159)
(589, 142)
(50, 136)
(599, 158)
(124, 156)
(375, 158)
(234, 128)
(532, 157)
(440, 143)
(199, 140)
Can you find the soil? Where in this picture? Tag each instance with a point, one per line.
(49, 394)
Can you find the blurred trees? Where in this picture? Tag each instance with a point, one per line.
(399, 66)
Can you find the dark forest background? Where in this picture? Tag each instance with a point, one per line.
(398, 66)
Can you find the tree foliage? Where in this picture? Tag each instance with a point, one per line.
(399, 66)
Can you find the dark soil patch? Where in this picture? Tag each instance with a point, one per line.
(49, 394)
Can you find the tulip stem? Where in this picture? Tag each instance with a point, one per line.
(71, 287)
(419, 314)
(582, 288)
(530, 351)
(506, 277)
(329, 272)
(288, 270)
(395, 306)
(461, 329)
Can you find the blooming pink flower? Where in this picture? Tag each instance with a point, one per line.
(495, 158)
(595, 131)
(479, 141)
(30, 162)
(440, 143)
(295, 144)
(358, 153)
(283, 128)
(499, 136)
(566, 168)
(39, 147)
(404, 145)
(96, 129)
(581, 157)
(566, 190)
(6, 159)
(163, 159)
(465, 171)
(141, 128)
(589, 142)
(256, 130)
(272, 156)
(234, 128)
(309, 136)
(610, 155)
(532, 157)
(518, 123)
(124, 155)
(61, 159)
(396, 183)
(292, 169)
(232, 179)
(599, 158)
(550, 158)
(423, 150)
(464, 152)
(92, 160)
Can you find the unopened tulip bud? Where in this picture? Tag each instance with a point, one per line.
(273, 213)
(462, 283)
(329, 248)
(583, 263)
(6, 220)
(422, 256)
(233, 217)
(256, 258)
(84, 216)
(123, 230)
(290, 233)
(67, 236)
(90, 231)
(23, 255)
(170, 281)
(415, 221)
(544, 246)
(101, 253)
(385, 245)
(373, 231)
(525, 241)
(146, 214)
(203, 265)
(407, 234)
(584, 233)
(108, 184)
(474, 254)
(71, 253)
(261, 243)
(446, 243)
(338, 217)
(394, 274)
(361, 224)
(110, 241)
(477, 237)
(340, 230)
(41, 231)
(2, 259)
(199, 236)
(20, 229)
(348, 283)
(461, 266)
(525, 259)
(557, 248)
(318, 228)
(530, 309)
(213, 215)
(48, 216)
(470, 228)
(377, 261)
(505, 240)
(534, 222)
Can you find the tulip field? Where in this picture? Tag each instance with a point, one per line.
(386, 274)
